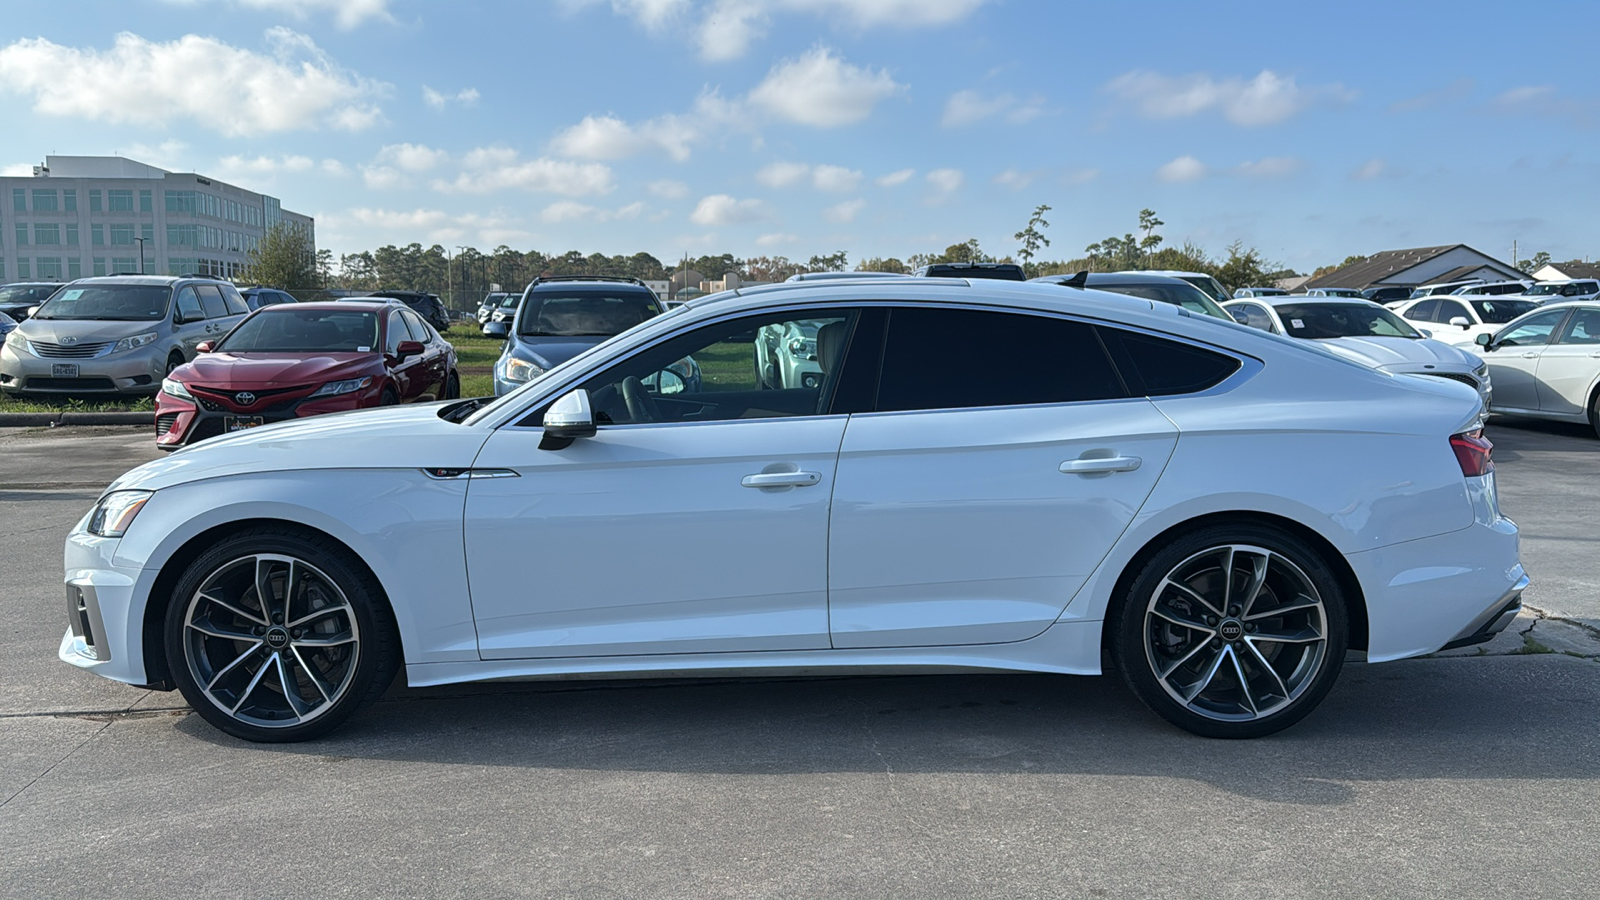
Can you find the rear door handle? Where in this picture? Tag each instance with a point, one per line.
(1103, 465)
(781, 479)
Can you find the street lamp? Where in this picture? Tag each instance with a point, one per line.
(460, 248)
(141, 254)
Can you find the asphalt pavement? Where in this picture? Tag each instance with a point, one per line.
(1473, 775)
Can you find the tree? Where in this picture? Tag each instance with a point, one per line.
(771, 268)
(1243, 268)
(1032, 237)
(833, 262)
(1148, 223)
(1348, 261)
(880, 264)
(286, 258)
(1534, 263)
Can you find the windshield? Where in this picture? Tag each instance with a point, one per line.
(1186, 296)
(288, 329)
(1333, 320)
(31, 294)
(510, 301)
(1544, 290)
(1209, 285)
(115, 302)
(585, 313)
(1499, 312)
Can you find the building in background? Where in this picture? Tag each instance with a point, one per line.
(1418, 266)
(1567, 270)
(78, 216)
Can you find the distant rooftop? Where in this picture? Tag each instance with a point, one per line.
(98, 167)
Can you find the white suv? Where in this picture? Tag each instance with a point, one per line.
(1563, 290)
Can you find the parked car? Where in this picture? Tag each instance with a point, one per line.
(1160, 288)
(1563, 290)
(1387, 295)
(289, 362)
(257, 297)
(1210, 286)
(838, 276)
(1367, 333)
(997, 271)
(1220, 529)
(426, 305)
(1333, 292)
(500, 319)
(1492, 289)
(118, 334)
(491, 302)
(16, 299)
(1259, 292)
(1443, 287)
(561, 317)
(1460, 320)
(1546, 364)
(6, 324)
(788, 355)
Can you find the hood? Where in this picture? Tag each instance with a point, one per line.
(391, 437)
(276, 369)
(1385, 352)
(549, 352)
(89, 331)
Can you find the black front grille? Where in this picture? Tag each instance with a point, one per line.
(1467, 380)
(36, 383)
(205, 428)
(164, 423)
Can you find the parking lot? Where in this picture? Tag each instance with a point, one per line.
(1473, 774)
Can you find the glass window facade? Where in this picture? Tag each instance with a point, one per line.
(99, 266)
(49, 267)
(47, 233)
(19, 199)
(119, 201)
(146, 204)
(72, 234)
(121, 235)
(74, 268)
(24, 270)
(94, 201)
(22, 234)
(45, 201)
(69, 200)
(99, 232)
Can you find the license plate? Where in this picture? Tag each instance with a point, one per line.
(64, 370)
(240, 423)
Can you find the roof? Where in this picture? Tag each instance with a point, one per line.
(1379, 266)
(1459, 273)
(1574, 270)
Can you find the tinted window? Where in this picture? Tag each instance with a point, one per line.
(1331, 320)
(211, 301)
(1424, 311)
(419, 329)
(1451, 309)
(293, 330)
(189, 305)
(234, 302)
(600, 313)
(126, 302)
(397, 332)
(956, 359)
(1159, 367)
(1583, 329)
(1255, 316)
(1499, 312)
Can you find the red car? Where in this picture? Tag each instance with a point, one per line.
(304, 359)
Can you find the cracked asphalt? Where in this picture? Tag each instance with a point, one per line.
(1471, 774)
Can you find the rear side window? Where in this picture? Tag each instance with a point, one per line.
(234, 301)
(1157, 367)
(419, 329)
(959, 359)
(211, 301)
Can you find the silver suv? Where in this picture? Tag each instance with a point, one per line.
(119, 334)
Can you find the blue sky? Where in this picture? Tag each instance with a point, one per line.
(880, 127)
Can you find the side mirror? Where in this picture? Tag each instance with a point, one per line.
(1483, 340)
(495, 330)
(1425, 332)
(1461, 322)
(204, 347)
(408, 349)
(1239, 316)
(177, 317)
(567, 420)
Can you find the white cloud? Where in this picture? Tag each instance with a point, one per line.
(822, 90)
(1015, 180)
(439, 100)
(490, 169)
(652, 14)
(721, 209)
(334, 167)
(1369, 170)
(782, 174)
(896, 178)
(171, 154)
(971, 107)
(844, 212)
(946, 180)
(412, 157)
(227, 89)
(383, 178)
(1074, 177)
(1270, 167)
(347, 13)
(17, 170)
(776, 239)
(1184, 168)
(1262, 100)
(726, 29)
(374, 226)
(608, 137)
(573, 211)
(835, 179)
(668, 189)
(729, 28)
(266, 165)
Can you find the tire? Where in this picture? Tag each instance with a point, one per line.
(223, 648)
(389, 398)
(1200, 650)
(174, 360)
(452, 387)
(1594, 413)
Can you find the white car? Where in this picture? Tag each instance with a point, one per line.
(1546, 364)
(1367, 333)
(1335, 292)
(1459, 320)
(1563, 290)
(1492, 289)
(1024, 504)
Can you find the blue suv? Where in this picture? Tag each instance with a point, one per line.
(562, 316)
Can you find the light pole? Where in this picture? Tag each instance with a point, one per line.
(459, 249)
(141, 254)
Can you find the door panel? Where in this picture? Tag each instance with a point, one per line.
(645, 539)
(1514, 361)
(976, 526)
(1569, 368)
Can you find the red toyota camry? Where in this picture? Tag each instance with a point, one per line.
(304, 359)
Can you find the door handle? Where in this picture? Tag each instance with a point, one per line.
(781, 479)
(1102, 465)
(1532, 354)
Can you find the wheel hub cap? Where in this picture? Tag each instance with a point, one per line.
(277, 638)
(1230, 630)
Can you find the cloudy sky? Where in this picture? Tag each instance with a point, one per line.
(881, 127)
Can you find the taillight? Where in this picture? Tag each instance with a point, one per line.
(1473, 451)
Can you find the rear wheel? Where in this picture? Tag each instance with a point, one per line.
(1594, 413)
(174, 360)
(389, 398)
(1232, 631)
(276, 635)
(452, 387)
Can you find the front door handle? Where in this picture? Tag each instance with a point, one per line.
(1102, 465)
(1532, 354)
(781, 479)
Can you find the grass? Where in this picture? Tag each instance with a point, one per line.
(75, 404)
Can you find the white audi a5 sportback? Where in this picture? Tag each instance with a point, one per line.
(987, 476)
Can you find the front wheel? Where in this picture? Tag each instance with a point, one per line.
(1594, 413)
(452, 387)
(1232, 631)
(275, 635)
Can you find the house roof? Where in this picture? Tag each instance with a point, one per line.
(1378, 266)
(1463, 273)
(1577, 269)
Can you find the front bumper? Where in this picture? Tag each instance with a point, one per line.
(136, 371)
(180, 422)
(104, 626)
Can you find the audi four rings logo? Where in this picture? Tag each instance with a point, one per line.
(245, 398)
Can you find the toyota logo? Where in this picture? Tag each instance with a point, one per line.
(245, 398)
(69, 340)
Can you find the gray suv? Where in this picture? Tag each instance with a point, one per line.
(119, 334)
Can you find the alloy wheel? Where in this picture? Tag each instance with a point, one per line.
(271, 640)
(1235, 633)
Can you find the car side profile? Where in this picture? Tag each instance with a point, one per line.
(1562, 291)
(257, 297)
(1072, 490)
(1460, 320)
(1546, 364)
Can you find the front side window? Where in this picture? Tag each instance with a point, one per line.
(122, 302)
(1583, 329)
(759, 367)
(1333, 320)
(961, 359)
(394, 334)
(1255, 316)
(296, 330)
(1451, 309)
(585, 313)
(1535, 331)
(189, 305)
(1424, 311)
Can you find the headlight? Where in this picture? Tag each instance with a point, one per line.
(17, 342)
(805, 348)
(333, 388)
(1482, 368)
(176, 389)
(115, 512)
(520, 370)
(129, 343)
